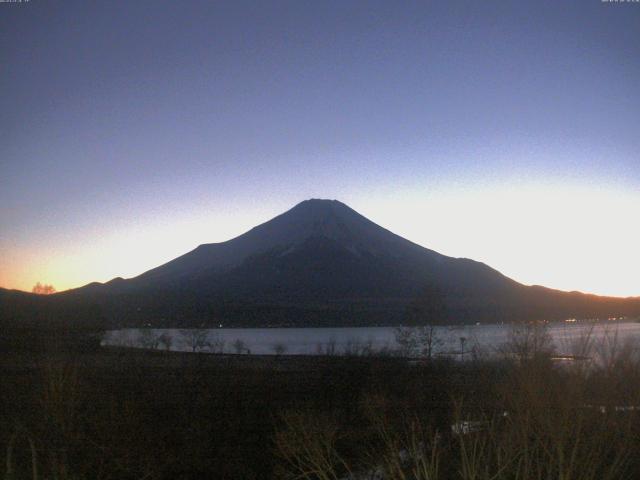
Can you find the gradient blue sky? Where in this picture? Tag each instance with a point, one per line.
(507, 132)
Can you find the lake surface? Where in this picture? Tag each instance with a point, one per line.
(479, 339)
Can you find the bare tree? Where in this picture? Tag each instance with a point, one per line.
(239, 346)
(424, 312)
(45, 289)
(528, 341)
(352, 348)
(147, 338)
(463, 340)
(166, 341)
(279, 348)
(327, 348)
(195, 338)
(413, 341)
(407, 341)
(428, 340)
(217, 344)
(330, 347)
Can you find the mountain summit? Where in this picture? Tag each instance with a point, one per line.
(322, 263)
(328, 221)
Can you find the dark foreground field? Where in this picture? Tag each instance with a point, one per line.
(125, 414)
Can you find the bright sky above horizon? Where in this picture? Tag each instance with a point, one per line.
(503, 131)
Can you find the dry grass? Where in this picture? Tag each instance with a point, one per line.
(545, 422)
(157, 415)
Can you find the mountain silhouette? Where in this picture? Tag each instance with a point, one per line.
(319, 247)
(322, 263)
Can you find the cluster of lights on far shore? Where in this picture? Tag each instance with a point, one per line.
(610, 319)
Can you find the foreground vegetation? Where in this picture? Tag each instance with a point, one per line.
(123, 414)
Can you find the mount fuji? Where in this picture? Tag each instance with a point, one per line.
(321, 263)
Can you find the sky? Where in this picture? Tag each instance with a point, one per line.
(503, 131)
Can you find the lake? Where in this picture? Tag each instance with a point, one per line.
(481, 339)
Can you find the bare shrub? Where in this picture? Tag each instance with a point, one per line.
(583, 344)
(147, 338)
(166, 340)
(543, 429)
(60, 409)
(216, 345)
(327, 348)
(20, 433)
(477, 351)
(405, 450)
(307, 444)
(239, 346)
(614, 354)
(407, 341)
(429, 340)
(421, 340)
(356, 348)
(556, 437)
(196, 339)
(529, 341)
